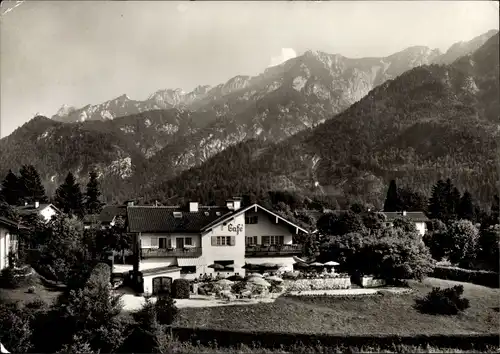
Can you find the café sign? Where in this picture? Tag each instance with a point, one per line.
(232, 228)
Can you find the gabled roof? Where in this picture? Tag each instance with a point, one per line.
(8, 223)
(30, 208)
(243, 210)
(416, 216)
(109, 212)
(162, 219)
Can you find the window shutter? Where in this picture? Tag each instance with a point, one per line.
(281, 240)
(169, 242)
(214, 240)
(265, 240)
(232, 240)
(255, 240)
(154, 241)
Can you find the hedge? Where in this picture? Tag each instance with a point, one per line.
(180, 289)
(100, 275)
(234, 338)
(479, 277)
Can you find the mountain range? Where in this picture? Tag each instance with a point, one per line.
(287, 107)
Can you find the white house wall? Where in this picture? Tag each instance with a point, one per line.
(146, 239)
(47, 213)
(3, 248)
(148, 279)
(421, 228)
(267, 226)
(236, 253)
(286, 263)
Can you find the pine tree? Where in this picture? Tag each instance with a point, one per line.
(437, 202)
(465, 209)
(495, 210)
(30, 185)
(392, 200)
(92, 203)
(454, 202)
(69, 197)
(10, 189)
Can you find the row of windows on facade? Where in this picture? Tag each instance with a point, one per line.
(181, 242)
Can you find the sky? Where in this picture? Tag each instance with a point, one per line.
(88, 52)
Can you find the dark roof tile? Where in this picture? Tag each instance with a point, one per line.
(162, 219)
(416, 216)
(109, 212)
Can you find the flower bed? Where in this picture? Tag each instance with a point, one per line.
(340, 282)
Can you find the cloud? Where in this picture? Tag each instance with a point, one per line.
(286, 54)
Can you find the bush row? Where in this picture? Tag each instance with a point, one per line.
(181, 289)
(479, 277)
(287, 340)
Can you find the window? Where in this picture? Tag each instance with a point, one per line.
(162, 242)
(154, 241)
(188, 270)
(223, 240)
(273, 240)
(252, 219)
(251, 240)
(188, 241)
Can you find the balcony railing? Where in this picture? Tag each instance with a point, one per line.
(171, 252)
(272, 250)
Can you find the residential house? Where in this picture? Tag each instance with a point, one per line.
(8, 240)
(418, 217)
(176, 242)
(110, 213)
(45, 211)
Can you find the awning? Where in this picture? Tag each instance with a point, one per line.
(189, 262)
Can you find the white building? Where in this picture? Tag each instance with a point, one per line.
(184, 243)
(8, 240)
(45, 211)
(418, 217)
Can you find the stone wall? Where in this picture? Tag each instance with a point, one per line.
(320, 284)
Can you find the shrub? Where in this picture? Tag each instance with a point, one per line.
(479, 277)
(443, 301)
(238, 287)
(101, 274)
(16, 277)
(166, 311)
(180, 289)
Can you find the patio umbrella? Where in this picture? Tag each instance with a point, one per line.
(331, 264)
(298, 260)
(275, 279)
(216, 266)
(249, 266)
(235, 278)
(230, 266)
(257, 275)
(301, 265)
(224, 282)
(316, 264)
(259, 281)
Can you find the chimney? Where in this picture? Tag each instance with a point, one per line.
(193, 207)
(233, 204)
(37, 204)
(404, 212)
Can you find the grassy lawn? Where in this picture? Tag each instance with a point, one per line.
(21, 294)
(381, 314)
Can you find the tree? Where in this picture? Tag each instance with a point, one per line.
(437, 202)
(69, 197)
(340, 223)
(489, 244)
(405, 224)
(10, 189)
(118, 237)
(495, 210)
(436, 239)
(463, 242)
(465, 208)
(7, 211)
(348, 250)
(392, 201)
(30, 185)
(374, 221)
(399, 255)
(92, 203)
(411, 200)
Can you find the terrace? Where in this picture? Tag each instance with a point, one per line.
(171, 252)
(272, 250)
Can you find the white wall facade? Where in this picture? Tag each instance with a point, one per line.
(4, 247)
(48, 212)
(231, 250)
(421, 228)
(148, 279)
